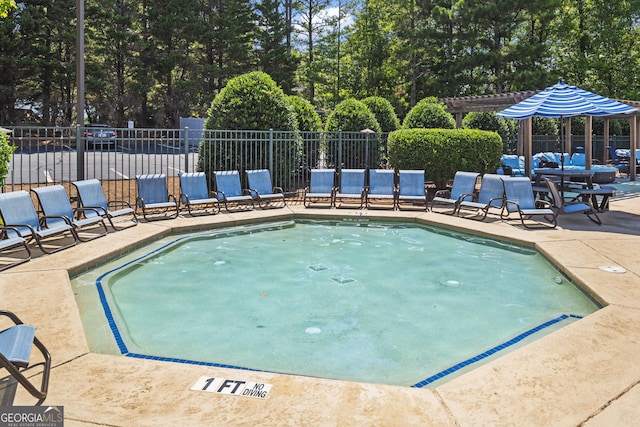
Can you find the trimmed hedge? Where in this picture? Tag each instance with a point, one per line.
(443, 152)
(384, 112)
(429, 113)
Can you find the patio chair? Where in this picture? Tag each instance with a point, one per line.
(622, 166)
(381, 188)
(195, 194)
(562, 206)
(321, 187)
(154, 198)
(230, 191)
(263, 191)
(490, 195)
(91, 195)
(351, 188)
(464, 183)
(55, 205)
(18, 212)
(411, 189)
(11, 242)
(519, 198)
(16, 343)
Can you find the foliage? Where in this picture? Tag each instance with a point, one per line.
(616, 127)
(310, 127)
(487, 121)
(6, 153)
(6, 6)
(251, 101)
(384, 112)
(443, 152)
(353, 116)
(430, 114)
(544, 126)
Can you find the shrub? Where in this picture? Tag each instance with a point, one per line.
(430, 114)
(544, 126)
(384, 112)
(310, 125)
(352, 116)
(6, 152)
(487, 120)
(443, 152)
(251, 101)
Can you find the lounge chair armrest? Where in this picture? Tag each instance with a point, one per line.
(464, 197)
(117, 203)
(14, 229)
(248, 192)
(11, 316)
(543, 204)
(44, 218)
(83, 209)
(278, 190)
(172, 198)
(511, 202)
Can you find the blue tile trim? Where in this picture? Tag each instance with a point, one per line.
(494, 350)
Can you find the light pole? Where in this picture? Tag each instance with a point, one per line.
(367, 132)
(80, 88)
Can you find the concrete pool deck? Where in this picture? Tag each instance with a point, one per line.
(587, 373)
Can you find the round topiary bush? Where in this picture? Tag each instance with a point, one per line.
(384, 112)
(352, 148)
(310, 126)
(251, 102)
(443, 152)
(487, 120)
(429, 114)
(6, 153)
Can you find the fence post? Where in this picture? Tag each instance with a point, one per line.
(339, 165)
(271, 151)
(79, 153)
(186, 148)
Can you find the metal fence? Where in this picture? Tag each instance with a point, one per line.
(47, 155)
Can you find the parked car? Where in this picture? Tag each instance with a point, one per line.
(101, 135)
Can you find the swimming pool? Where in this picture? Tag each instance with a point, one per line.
(366, 301)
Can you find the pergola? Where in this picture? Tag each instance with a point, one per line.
(459, 106)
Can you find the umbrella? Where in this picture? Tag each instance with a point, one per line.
(562, 100)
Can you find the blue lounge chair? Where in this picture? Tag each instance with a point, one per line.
(411, 189)
(623, 167)
(565, 207)
(195, 194)
(230, 191)
(490, 195)
(10, 242)
(16, 343)
(381, 187)
(351, 187)
(464, 183)
(154, 198)
(18, 212)
(91, 195)
(519, 198)
(263, 191)
(54, 203)
(321, 187)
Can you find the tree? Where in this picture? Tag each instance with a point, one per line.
(384, 113)
(6, 6)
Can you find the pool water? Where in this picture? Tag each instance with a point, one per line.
(362, 301)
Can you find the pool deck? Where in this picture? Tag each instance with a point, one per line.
(587, 373)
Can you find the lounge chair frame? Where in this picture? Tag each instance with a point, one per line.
(321, 187)
(262, 190)
(490, 195)
(195, 194)
(18, 212)
(464, 183)
(412, 189)
(23, 337)
(54, 203)
(91, 195)
(351, 188)
(382, 189)
(519, 197)
(154, 198)
(563, 207)
(10, 241)
(230, 192)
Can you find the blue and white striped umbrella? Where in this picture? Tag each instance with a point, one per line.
(563, 100)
